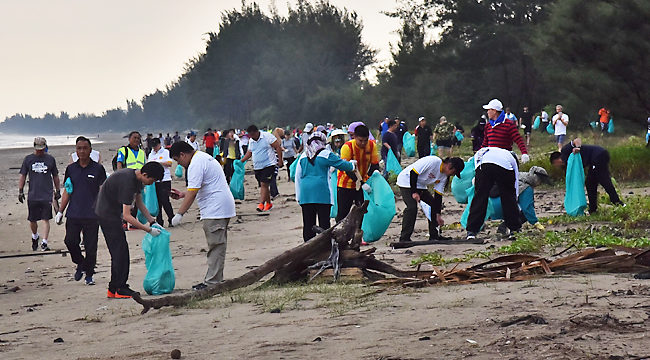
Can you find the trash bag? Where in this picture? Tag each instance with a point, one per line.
(537, 123)
(150, 201)
(575, 200)
(465, 215)
(426, 209)
(610, 128)
(160, 277)
(459, 135)
(237, 180)
(460, 185)
(409, 144)
(594, 124)
(434, 149)
(647, 137)
(68, 186)
(216, 152)
(179, 171)
(292, 169)
(392, 165)
(334, 209)
(550, 129)
(381, 208)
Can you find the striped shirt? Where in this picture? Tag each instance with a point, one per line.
(364, 157)
(502, 135)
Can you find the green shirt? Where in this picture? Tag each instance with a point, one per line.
(444, 131)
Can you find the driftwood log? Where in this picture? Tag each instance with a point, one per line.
(294, 264)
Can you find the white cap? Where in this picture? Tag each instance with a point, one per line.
(309, 127)
(421, 118)
(494, 104)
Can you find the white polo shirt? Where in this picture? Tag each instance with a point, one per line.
(263, 153)
(214, 197)
(162, 156)
(429, 172)
(560, 128)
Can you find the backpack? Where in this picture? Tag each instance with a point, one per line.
(114, 161)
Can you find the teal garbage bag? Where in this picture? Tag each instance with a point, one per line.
(392, 165)
(550, 129)
(409, 144)
(537, 122)
(216, 152)
(610, 128)
(237, 180)
(465, 215)
(334, 210)
(150, 201)
(594, 124)
(292, 169)
(460, 185)
(68, 186)
(575, 200)
(179, 171)
(381, 208)
(459, 135)
(434, 149)
(160, 278)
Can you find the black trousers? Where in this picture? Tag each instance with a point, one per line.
(311, 212)
(411, 213)
(210, 150)
(422, 151)
(119, 250)
(273, 186)
(90, 229)
(486, 176)
(344, 200)
(163, 189)
(290, 161)
(599, 174)
(229, 169)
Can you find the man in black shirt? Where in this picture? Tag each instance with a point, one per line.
(113, 205)
(596, 159)
(82, 181)
(526, 121)
(424, 135)
(389, 142)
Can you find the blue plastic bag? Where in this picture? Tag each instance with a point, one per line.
(216, 152)
(381, 208)
(237, 180)
(550, 129)
(150, 201)
(610, 128)
(434, 149)
(537, 123)
(179, 171)
(160, 278)
(575, 200)
(334, 209)
(470, 195)
(292, 169)
(409, 144)
(460, 185)
(594, 124)
(68, 186)
(459, 135)
(392, 165)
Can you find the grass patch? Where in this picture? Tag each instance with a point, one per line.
(636, 215)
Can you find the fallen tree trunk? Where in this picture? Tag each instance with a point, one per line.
(342, 232)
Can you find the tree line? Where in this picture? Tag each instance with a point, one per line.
(452, 56)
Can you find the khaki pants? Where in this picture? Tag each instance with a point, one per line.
(216, 235)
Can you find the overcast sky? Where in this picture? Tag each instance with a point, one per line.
(91, 55)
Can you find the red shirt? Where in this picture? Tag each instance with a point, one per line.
(503, 135)
(209, 139)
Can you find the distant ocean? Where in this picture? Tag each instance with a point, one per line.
(14, 141)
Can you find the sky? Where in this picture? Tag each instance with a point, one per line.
(88, 56)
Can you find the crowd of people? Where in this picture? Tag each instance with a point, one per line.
(316, 157)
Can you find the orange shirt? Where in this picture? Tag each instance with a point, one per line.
(604, 115)
(364, 157)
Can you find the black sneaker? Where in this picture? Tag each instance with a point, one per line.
(199, 286)
(78, 274)
(125, 293)
(471, 236)
(35, 243)
(44, 247)
(89, 280)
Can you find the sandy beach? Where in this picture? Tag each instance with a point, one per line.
(40, 302)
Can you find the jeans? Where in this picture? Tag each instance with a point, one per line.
(309, 214)
(486, 176)
(119, 250)
(162, 193)
(90, 229)
(411, 212)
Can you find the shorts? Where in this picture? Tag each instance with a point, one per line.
(528, 128)
(560, 138)
(265, 175)
(39, 210)
(444, 143)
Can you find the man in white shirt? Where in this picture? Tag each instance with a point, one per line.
(560, 122)
(207, 184)
(163, 187)
(544, 120)
(413, 182)
(266, 152)
(494, 166)
(192, 141)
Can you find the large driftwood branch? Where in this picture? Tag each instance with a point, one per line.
(343, 232)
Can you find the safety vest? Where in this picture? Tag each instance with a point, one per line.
(133, 161)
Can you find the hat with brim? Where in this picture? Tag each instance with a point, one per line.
(308, 127)
(40, 143)
(494, 104)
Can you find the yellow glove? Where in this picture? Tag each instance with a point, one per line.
(539, 226)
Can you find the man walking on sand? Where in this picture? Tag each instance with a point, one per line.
(117, 194)
(207, 184)
(41, 169)
(266, 152)
(83, 179)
